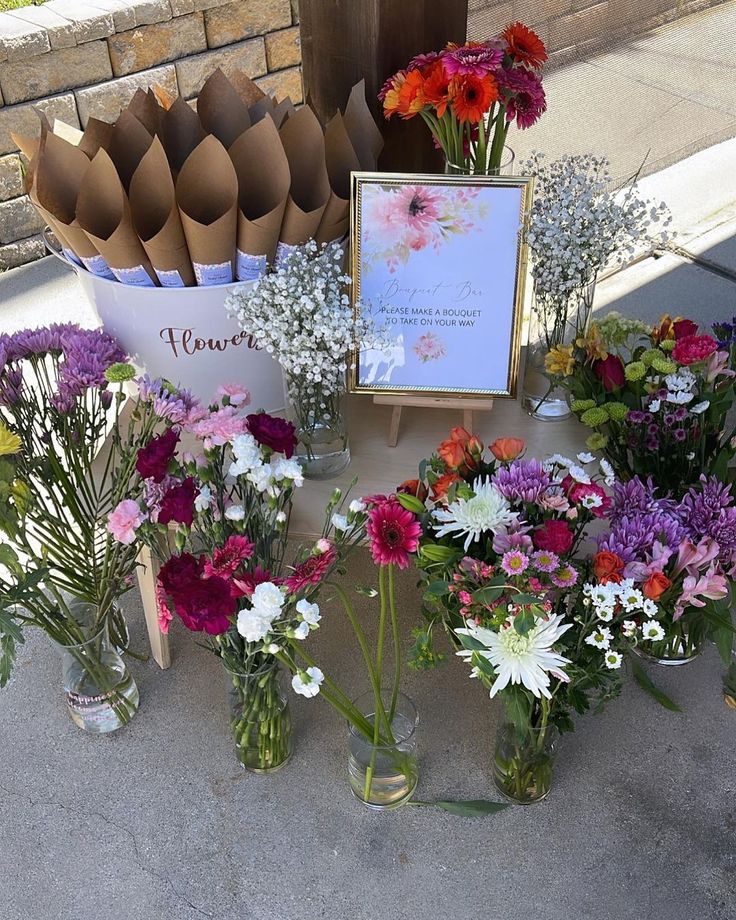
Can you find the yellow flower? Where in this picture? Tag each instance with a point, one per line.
(593, 344)
(9, 443)
(559, 361)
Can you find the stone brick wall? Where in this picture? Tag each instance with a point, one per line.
(572, 29)
(73, 59)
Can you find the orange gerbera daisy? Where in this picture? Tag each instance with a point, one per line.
(437, 88)
(524, 45)
(472, 96)
(411, 95)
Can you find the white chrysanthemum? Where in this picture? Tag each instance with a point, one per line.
(487, 511)
(700, 407)
(683, 379)
(591, 500)
(649, 608)
(600, 638)
(586, 457)
(679, 397)
(655, 405)
(604, 612)
(652, 631)
(629, 628)
(631, 599)
(521, 659)
(557, 460)
(307, 683)
(579, 474)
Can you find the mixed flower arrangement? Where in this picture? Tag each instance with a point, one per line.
(469, 95)
(656, 399)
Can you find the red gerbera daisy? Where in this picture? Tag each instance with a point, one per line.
(472, 96)
(394, 533)
(524, 45)
(227, 558)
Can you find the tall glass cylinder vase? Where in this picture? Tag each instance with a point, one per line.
(541, 397)
(524, 761)
(260, 718)
(101, 695)
(321, 427)
(505, 167)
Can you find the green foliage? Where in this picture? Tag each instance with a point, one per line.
(648, 686)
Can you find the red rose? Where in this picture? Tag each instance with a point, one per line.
(655, 586)
(608, 567)
(153, 459)
(441, 485)
(611, 372)
(554, 536)
(207, 606)
(178, 573)
(178, 504)
(273, 432)
(683, 327)
(694, 348)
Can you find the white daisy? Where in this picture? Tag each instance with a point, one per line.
(487, 510)
(701, 407)
(521, 659)
(579, 474)
(601, 638)
(652, 630)
(631, 599)
(608, 475)
(679, 397)
(629, 628)
(613, 660)
(591, 500)
(586, 457)
(649, 608)
(654, 405)
(605, 613)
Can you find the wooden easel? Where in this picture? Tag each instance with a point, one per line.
(467, 406)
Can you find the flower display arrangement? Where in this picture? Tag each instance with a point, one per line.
(61, 396)
(500, 533)
(656, 399)
(302, 315)
(580, 223)
(470, 95)
(667, 565)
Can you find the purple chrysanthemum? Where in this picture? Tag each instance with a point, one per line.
(708, 510)
(522, 480)
(180, 407)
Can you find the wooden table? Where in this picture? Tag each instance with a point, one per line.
(381, 468)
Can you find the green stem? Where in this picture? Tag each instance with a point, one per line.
(397, 644)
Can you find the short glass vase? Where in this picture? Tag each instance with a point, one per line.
(680, 645)
(260, 718)
(101, 695)
(321, 428)
(384, 775)
(524, 761)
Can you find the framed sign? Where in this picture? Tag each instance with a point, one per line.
(439, 263)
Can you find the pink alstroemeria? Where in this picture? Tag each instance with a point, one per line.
(718, 366)
(640, 571)
(692, 558)
(711, 586)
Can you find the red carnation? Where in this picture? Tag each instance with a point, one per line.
(153, 459)
(178, 504)
(694, 348)
(207, 606)
(273, 432)
(611, 372)
(178, 573)
(554, 536)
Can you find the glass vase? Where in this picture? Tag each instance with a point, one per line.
(682, 643)
(541, 397)
(384, 776)
(524, 761)
(321, 428)
(101, 696)
(260, 719)
(505, 168)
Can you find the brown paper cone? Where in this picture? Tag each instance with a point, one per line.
(58, 172)
(282, 111)
(260, 109)
(362, 129)
(156, 218)
(263, 187)
(181, 132)
(146, 109)
(104, 214)
(97, 134)
(221, 110)
(128, 143)
(341, 159)
(28, 146)
(207, 196)
(304, 145)
(245, 87)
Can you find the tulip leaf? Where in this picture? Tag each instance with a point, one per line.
(648, 686)
(468, 808)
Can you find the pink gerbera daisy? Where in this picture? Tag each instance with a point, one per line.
(524, 95)
(514, 562)
(474, 58)
(394, 533)
(227, 558)
(419, 206)
(312, 570)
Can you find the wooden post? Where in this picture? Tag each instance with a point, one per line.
(344, 41)
(159, 642)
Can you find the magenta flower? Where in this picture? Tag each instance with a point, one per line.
(227, 558)
(475, 59)
(524, 94)
(124, 520)
(313, 570)
(514, 562)
(178, 504)
(394, 533)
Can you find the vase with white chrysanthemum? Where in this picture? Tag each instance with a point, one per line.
(524, 757)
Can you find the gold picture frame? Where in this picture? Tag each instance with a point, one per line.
(360, 181)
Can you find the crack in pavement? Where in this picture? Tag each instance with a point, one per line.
(138, 857)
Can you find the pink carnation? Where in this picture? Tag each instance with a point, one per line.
(124, 520)
(219, 427)
(238, 395)
(694, 348)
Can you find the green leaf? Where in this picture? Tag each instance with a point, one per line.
(523, 622)
(437, 588)
(518, 709)
(487, 595)
(410, 502)
(471, 808)
(646, 684)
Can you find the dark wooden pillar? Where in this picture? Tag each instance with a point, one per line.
(344, 41)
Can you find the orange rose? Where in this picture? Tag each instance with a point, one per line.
(453, 453)
(441, 486)
(608, 567)
(655, 586)
(507, 448)
(414, 487)
(460, 434)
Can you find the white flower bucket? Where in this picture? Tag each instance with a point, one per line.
(184, 335)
